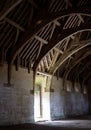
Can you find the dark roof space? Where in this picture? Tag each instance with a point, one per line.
(50, 36)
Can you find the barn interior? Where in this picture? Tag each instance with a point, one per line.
(45, 64)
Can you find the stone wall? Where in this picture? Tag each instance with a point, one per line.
(16, 101)
(66, 104)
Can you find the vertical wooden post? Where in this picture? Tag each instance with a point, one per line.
(17, 62)
(9, 74)
(2, 56)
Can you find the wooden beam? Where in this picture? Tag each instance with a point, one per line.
(57, 23)
(67, 41)
(30, 16)
(9, 72)
(43, 73)
(75, 62)
(82, 69)
(68, 4)
(29, 50)
(33, 4)
(17, 35)
(72, 37)
(57, 49)
(2, 56)
(53, 28)
(46, 62)
(6, 11)
(14, 24)
(86, 77)
(68, 54)
(56, 39)
(39, 50)
(54, 59)
(45, 20)
(17, 62)
(40, 39)
(81, 18)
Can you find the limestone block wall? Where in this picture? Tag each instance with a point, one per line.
(16, 101)
(66, 104)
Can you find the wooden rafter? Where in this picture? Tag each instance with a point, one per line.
(55, 40)
(54, 59)
(76, 61)
(14, 24)
(40, 39)
(68, 54)
(39, 50)
(86, 77)
(6, 11)
(17, 35)
(68, 4)
(53, 28)
(46, 20)
(82, 69)
(57, 49)
(56, 23)
(67, 41)
(81, 18)
(46, 63)
(33, 4)
(30, 51)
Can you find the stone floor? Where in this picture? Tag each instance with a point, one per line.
(71, 124)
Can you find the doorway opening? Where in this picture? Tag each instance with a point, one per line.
(42, 97)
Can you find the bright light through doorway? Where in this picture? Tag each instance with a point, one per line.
(42, 97)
